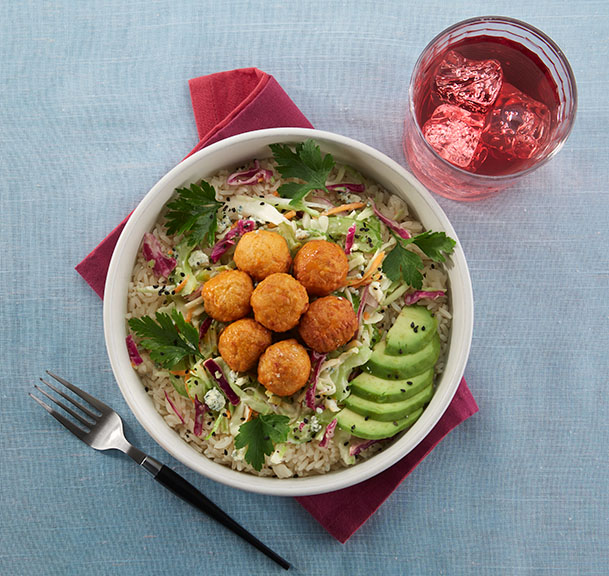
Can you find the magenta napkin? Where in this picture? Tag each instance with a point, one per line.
(237, 101)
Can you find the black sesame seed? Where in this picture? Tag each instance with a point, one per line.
(412, 324)
(409, 382)
(155, 286)
(242, 419)
(213, 433)
(295, 475)
(225, 452)
(305, 420)
(367, 418)
(182, 274)
(402, 389)
(345, 443)
(416, 329)
(147, 389)
(395, 423)
(353, 427)
(261, 203)
(267, 437)
(422, 328)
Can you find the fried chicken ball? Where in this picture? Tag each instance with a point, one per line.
(321, 267)
(242, 342)
(227, 295)
(279, 301)
(261, 253)
(284, 367)
(329, 322)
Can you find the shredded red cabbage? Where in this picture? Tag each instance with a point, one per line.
(350, 238)
(301, 426)
(411, 299)
(218, 376)
(134, 355)
(357, 448)
(204, 327)
(362, 304)
(173, 406)
(321, 200)
(252, 176)
(328, 433)
(317, 360)
(200, 409)
(351, 186)
(229, 239)
(152, 250)
(391, 224)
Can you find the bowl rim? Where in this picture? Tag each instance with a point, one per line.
(114, 309)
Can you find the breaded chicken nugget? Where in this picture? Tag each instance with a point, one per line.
(261, 253)
(329, 323)
(242, 342)
(321, 267)
(279, 301)
(284, 367)
(227, 295)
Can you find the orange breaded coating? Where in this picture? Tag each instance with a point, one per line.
(279, 301)
(329, 323)
(227, 295)
(284, 367)
(261, 253)
(242, 342)
(321, 267)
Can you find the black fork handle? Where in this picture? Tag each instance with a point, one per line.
(185, 490)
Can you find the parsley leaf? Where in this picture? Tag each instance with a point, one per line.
(194, 214)
(169, 339)
(403, 264)
(260, 436)
(433, 244)
(305, 163)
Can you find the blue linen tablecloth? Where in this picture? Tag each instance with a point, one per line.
(94, 109)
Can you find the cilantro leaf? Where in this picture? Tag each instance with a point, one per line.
(194, 214)
(260, 436)
(170, 339)
(402, 264)
(305, 163)
(433, 244)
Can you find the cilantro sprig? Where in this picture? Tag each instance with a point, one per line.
(304, 163)
(194, 213)
(406, 265)
(260, 436)
(169, 338)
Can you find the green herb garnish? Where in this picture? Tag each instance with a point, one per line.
(194, 214)
(170, 339)
(403, 264)
(305, 163)
(260, 436)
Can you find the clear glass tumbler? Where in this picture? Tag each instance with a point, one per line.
(527, 123)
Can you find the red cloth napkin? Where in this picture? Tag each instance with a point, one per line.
(238, 101)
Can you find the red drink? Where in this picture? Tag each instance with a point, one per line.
(487, 104)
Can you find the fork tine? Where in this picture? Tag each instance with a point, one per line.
(87, 397)
(78, 432)
(62, 405)
(78, 405)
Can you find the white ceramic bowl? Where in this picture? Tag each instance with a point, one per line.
(233, 152)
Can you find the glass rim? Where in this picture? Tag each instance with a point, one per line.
(544, 38)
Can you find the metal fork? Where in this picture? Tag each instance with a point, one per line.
(102, 429)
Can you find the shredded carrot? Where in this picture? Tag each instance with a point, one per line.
(366, 315)
(343, 208)
(181, 285)
(179, 372)
(369, 273)
(227, 412)
(275, 193)
(289, 215)
(188, 317)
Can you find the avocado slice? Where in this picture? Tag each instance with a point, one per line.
(402, 367)
(380, 390)
(389, 411)
(371, 429)
(411, 331)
